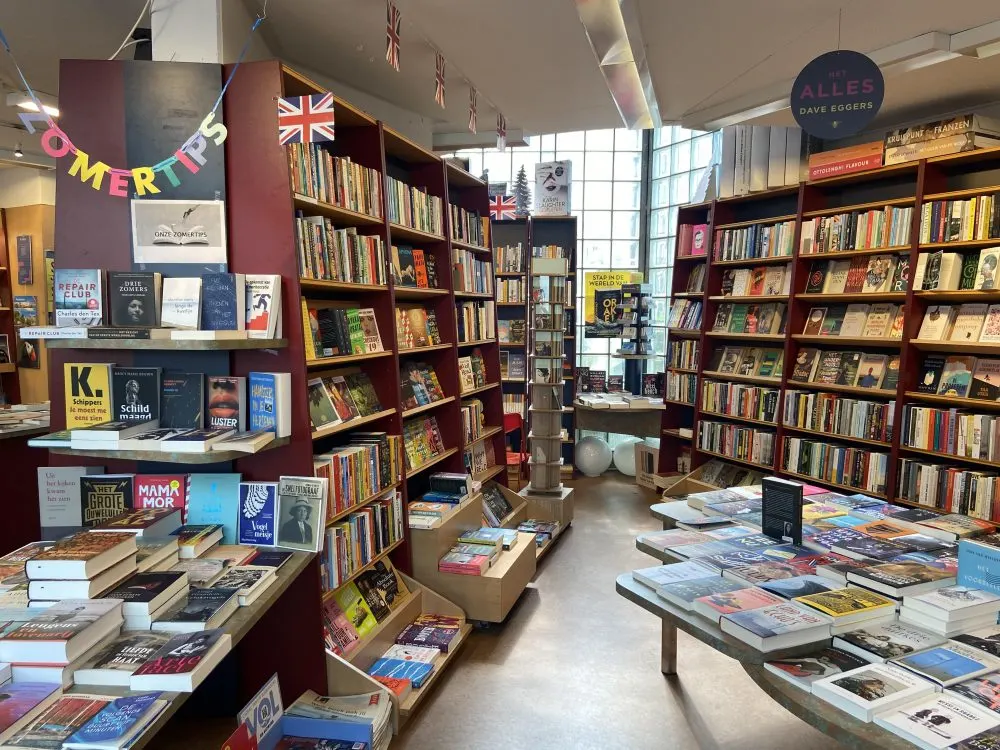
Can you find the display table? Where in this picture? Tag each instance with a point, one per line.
(641, 422)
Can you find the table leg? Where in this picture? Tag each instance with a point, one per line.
(668, 648)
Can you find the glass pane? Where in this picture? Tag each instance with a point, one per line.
(577, 192)
(672, 221)
(548, 142)
(658, 339)
(680, 189)
(600, 140)
(570, 141)
(681, 134)
(628, 166)
(662, 136)
(598, 195)
(600, 166)
(658, 311)
(681, 157)
(595, 361)
(626, 225)
(498, 165)
(703, 150)
(576, 160)
(596, 254)
(595, 346)
(658, 222)
(546, 155)
(628, 140)
(598, 225)
(475, 157)
(624, 253)
(660, 253)
(660, 193)
(661, 163)
(658, 278)
(627, 195)
(617, 367)
(580, 221)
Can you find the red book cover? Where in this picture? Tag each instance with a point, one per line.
(156, 491)
(699, 239)
(685, 238)
(420, 268)
(21, 698)
(181, 654)
(848, 166)
(856, 276)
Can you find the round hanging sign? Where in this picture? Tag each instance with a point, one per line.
(838, 94)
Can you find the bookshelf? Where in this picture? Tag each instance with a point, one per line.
(10, 387)
(900, 193)
(512, 251)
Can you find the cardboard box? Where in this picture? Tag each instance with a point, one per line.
(647, 458)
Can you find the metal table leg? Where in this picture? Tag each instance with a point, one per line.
(668, 648)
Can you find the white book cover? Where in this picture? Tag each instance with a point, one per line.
(743, 144)
(879, 643)
(854, 321)
(936, 323)
(969, 323)
(760, 138)
(664, 574)
(727, 179)
(921, 271)
(741, 282)
(950, 276)
(879, 320)
(181, 305)
(954, 602)
(423, 654)
(263, 313)
(776, 157)
(991, 326)
(878, 276)
(836, 277)
(59, 508)
(868, 690)
(950, 663)
(937, 722)
(793, 156)
(552, 186)
(986, 273)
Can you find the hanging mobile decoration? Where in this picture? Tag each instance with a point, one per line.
(472, 110)
(392, 23)
(439, 79)
(501, 132)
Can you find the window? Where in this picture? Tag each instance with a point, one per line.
(678, 157)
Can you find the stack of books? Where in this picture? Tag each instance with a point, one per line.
(351, 612)
(409, 663)
(81, 567)
(951, 610)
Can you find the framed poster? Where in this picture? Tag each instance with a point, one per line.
(24, 269)
(175, 231)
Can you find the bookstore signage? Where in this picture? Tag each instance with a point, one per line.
(838, 94)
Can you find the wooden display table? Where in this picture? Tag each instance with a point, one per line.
(829, 720)
(641, 422)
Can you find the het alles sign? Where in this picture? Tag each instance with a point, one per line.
(837, 95)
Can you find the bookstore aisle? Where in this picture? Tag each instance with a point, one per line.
(576, 667)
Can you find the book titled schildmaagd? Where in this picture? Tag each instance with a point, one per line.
(135, 393)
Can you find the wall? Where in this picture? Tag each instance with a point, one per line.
(23, 186)
(39, 222)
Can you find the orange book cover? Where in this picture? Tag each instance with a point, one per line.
(85, 545)
(420, 268)
(846, 154)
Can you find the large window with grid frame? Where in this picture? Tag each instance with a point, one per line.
(606, 199)
(678, 160)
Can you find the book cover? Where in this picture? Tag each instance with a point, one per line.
(991, 326)
(940, 721)
(814, 321)
(878, 275)
(181, 303)
(817, 277)
(263, 305)
(22, 698)
(427, 635)
(257, 513)
(355, 609)
(57, 723)
(985, 385)
(986, 273)
(104, 496)
(806, 362)
(879, 320)
(215, 499)
(847, 601)
(369, 330)
(182, 399)
(956, 377)
(949, 663)
(683, 593)
(739, 600)
(833, 321)
(182, 653)
(969, 323)
(936, 323)
(62, 620)
(144, 587)
(805, 670)
(78, 297)
(135, 393)
(200, 606)
(223, 301)
(871, 370)
(414, 671)
(829, 367)
(889, 640)
(777, 619)
(59, 509)
(134, 299)
(117, 720)
(847, 373)
(87, 390)
(930, 373)
(226, 406)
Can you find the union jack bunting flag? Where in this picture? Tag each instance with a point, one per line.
(392, 35)
(306, 119)
(472, 110)
(439, 80)
(503, 207)
(501, 132)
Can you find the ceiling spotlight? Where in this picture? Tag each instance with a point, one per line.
(18, 153)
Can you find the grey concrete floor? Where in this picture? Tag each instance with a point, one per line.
(576, 667)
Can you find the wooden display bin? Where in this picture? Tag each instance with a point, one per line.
(545, 447)
(347, 674)
(489, 597)
(545, 476)
(545, 421)
(547, 396)
(550, 507)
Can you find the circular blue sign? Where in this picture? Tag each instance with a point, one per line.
(837, 95)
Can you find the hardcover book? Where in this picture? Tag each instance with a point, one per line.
(87, 389)
(157, 491)
(930, 373)
(134, 299)
(879, 643)
(949, 663)
(182, 400)
(136, 393)
(270, 402)
(848, 603)
(24, 699)
(104, 496)
(870, 689)
(227, 402)
(180, 655)
(940, 721)
(223, 301)
(78, 297)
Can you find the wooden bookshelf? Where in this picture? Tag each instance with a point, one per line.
(512, 237)
(837, 436)
(950, 402)
(846, 341)
(208, 457)
(166, 345)
(407, 413)
(351, 424)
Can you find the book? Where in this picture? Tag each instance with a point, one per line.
(937, 323)
(120, 722)
(182, 400)
(814, 321)
(257, 522)
(160, 491)
(78, 297)
(114, 663)
(226, 405)
(969, 323)
(414, 671)
(61, 633)
(803, 671)
(143, 593)
(991, 326)
(880, 643)
(60, 510)
(24, 702)
(58, 722)
(986, 273)
(87, 390)
(930, 373)
(985, 385)
(153, 522)
(848, 604)
(683, 593)
(181, 303)
(193, 540)
(270, 404)
(956, 377)
(878, 275)
(806, 363)
(953, 603)
(136, 394)
(322, 412)
(223, 302)
(714, 606)
(263, 305)
(949, 663)
(871, 370)
(776, 626)
(214, 499)
(203, 609)
(854, 321)
(940, 721)
(249, 581)
(183, 662)
(81, 556)
(872, 689)
(134, 299)
(897, 579)
(673, 573)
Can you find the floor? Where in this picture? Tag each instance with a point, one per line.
(576, 666)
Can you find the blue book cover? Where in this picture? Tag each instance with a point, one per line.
(219, 308)
(257, 523)
(415, 671)
(215, 498)
(113, 722)
(979, 566)
(263, 402)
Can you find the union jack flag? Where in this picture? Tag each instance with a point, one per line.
(503, 207)
(472, 110)
(306, 119)
(392, 18)
(439, 80)
(501, 132)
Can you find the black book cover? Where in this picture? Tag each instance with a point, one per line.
(328, 340)
(652, 384)
(144, 587)
(407, 271)
(343, 332)
(817, 277)
(930, 373)
(182, 653)
(102, 497)
(135, 393)
(182, 399)
(598, 381)
(270, 558)
(781, 510)
(368, 585)
(363, 393)
(201, 604)
(133, 299)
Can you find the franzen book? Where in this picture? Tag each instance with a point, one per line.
(257, 513)
(104, 496)
(118, 724)
(136, 393)
(87, 390)
(78, 297)
(81, 556)
(183, 662)
(182, 400)
(134, 299)
(61, 633)
(181, 305)
(227, 403)
(271, 402)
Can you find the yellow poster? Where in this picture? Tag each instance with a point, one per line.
(601, 299)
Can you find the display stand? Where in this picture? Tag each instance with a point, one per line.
(549, 298)
(511, 243)
(633, 316)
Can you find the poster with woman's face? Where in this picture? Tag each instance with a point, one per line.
(552, 179)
